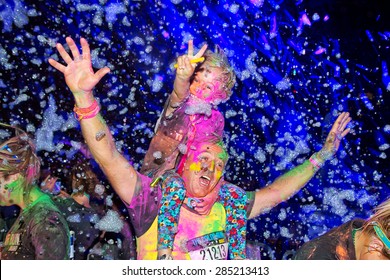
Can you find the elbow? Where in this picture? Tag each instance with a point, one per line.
(105, 160)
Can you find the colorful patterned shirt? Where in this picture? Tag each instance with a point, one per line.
(197, 237)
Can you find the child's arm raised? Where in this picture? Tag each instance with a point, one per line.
(185, 67)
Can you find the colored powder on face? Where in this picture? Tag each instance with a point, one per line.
(218, 174)
(212, 165)
(206, 96)
(195, 166)
(223, 155)
(13, 184)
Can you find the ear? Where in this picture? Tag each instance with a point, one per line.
(9, 182)
(375, 245)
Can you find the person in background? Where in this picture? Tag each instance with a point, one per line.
(40, 231)
(85, 208)
(74, 202)
(51, 184)
(357, 239)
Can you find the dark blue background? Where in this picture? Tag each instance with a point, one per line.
(293, 80)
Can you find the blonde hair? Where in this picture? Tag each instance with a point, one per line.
(219, 59)
(381, 218)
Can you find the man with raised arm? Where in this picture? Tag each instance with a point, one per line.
(200, 234)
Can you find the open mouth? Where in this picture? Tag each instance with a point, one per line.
(204, 181)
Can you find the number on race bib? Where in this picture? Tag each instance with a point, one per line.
(215, 252)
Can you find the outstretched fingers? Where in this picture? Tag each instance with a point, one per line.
(345, 121)
(85, 48)
(63, 53)
(190, 51)
(340, 121)
(57, 65)
(341, 124)
(73, 48)
(345, 132)
(201, 51)
(101, 73)
(339, 131)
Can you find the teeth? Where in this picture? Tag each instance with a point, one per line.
(205, 177)
(204, 181)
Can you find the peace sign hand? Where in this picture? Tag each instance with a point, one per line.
(185, 68)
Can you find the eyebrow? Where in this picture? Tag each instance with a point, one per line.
(219, 155)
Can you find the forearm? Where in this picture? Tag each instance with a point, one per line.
(178, 95)
(101, 144)
(282, 188)
(99, 140)
(180, 90)
(95, 131)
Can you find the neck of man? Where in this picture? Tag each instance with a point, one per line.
(33, 196)
(203, 207)
(15, 190)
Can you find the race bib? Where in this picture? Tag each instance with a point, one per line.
(211, 246)
(214, 252)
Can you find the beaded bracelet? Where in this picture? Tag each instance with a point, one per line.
(87, 113)
(315, 162)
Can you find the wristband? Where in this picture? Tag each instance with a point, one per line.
(87, 113)
(315, 162)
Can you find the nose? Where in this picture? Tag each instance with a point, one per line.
(210, 166)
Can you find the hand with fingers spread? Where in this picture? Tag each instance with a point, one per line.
(78, 72)
(337, 133)
(332, 142)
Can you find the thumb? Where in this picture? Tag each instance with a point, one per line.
(102, 72)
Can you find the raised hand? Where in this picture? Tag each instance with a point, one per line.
(336, 134)
(185, 68)
(78, 72)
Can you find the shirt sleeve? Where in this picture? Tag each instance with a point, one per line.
(50, 237)
(250, 201)
(144, 206)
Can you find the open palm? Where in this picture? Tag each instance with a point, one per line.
(338, 131)
(78, 72)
